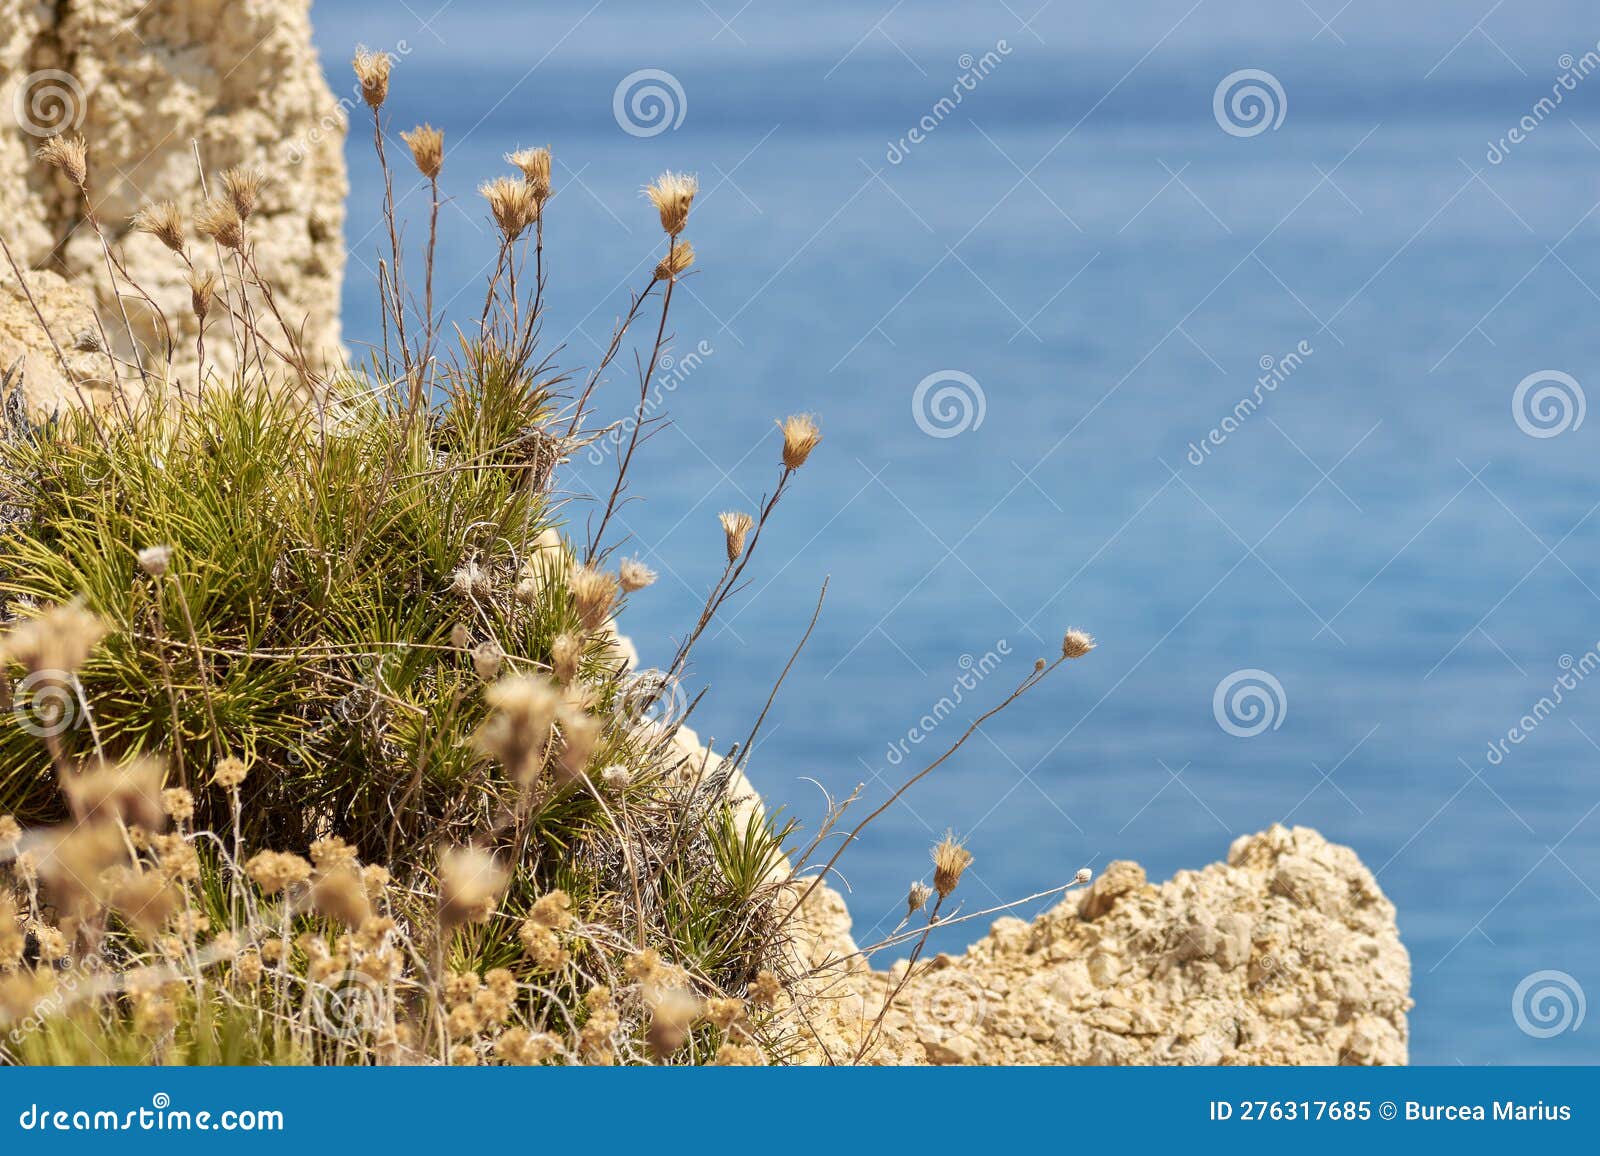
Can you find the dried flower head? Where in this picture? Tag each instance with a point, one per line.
(594, 592)
(487, 659)
(69, 154)
(917, 897)
(202, 290)
(730, 1054)
(765, 989)
(512, 204)
(950, 859)
(372, 71)
(56, 643)
(178, 804)
(153, 560)
(634, 575)
(1076, 644)
(163, 220)
(128, 792)
(672, 194)
(735, 525)
(242, 187)
(272, 871)
(220, 220)
(676, 263)
(1083, 876)
(10, 832)
(566, 652)
(616, 777)
(535, 166)
(471, 581)
(230, 773)
(470, 882)
(427, 149)
(800, 437)
(523, 711)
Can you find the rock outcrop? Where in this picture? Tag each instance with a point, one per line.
(1287, 953)
(149, 83)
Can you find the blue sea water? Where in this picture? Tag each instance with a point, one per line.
(1111, 271)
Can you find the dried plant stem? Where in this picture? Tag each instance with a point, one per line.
(639, 420)
(1033, 679)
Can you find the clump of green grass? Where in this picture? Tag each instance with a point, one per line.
(322, 745)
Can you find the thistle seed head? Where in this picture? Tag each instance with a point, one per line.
(427, 149)
(672, 194)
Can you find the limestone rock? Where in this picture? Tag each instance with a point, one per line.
(1286, 954)
(30, 363)
(147, 82)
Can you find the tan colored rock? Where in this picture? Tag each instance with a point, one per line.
(1286, 954)
(28, 361)
(146, 82)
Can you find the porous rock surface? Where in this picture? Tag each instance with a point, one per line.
(147, 83)
(1288, 953)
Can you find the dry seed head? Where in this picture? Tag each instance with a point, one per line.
(129, 792)
(471, 580)
(735, 525)
(58, 641)
(163, 220)
(566, 651)
(372, 71)
(487, 659)
(593, 594)
(69, 154)
(178, 804)
(470, 881)
(535, 166)
(672, 194)
(242, 187)
(512, 204)
(230, 773)
(427, 149)
(517, 732)
(800, 437)
(617, 778)
(950, 859)
(1083, 876)
(676, 263)
(202, 289)
(272, 871)
(1076, 644)
(10, 834)
(340, 896)
(917, 897)
(737, 1055)
(634, 575)
(765, 989)
(153, 560)
(220, 220)
(553, 909)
